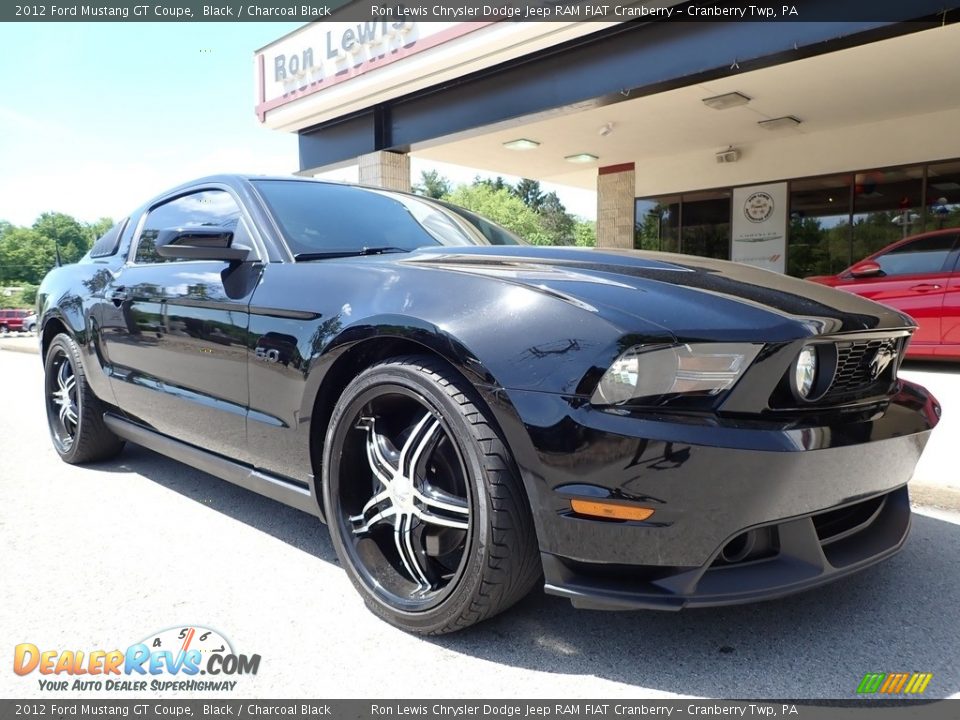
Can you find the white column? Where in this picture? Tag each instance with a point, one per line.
(386, 169)
(616, 188)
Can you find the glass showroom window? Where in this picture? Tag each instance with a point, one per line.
(943, 196)
(705, 228)
(887, 206)
(819, 236)
(694, 224)
(658, 224)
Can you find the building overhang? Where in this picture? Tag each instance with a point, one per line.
(458, 91)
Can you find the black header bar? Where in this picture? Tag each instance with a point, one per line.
(467, 11)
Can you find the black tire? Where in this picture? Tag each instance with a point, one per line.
(74, 413)
(464, 529)
(4, 330)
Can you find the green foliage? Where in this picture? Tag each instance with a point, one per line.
(503, 207)
(498, 184)
(432, 184)
(23, 297)
(97, 229)
(539, 218)
(556, 222)
(529, 191)
(29, 295)
(70, 235)
(585, 233)
(27, 254)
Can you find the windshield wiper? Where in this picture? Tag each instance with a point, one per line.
(349, 253)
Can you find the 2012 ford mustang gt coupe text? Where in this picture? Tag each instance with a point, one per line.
(471, 415)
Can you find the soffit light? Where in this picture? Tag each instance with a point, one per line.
(727, 100)
(581, 158)
(521, 144)
(780, 123)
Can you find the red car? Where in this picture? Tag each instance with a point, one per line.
(920, 276)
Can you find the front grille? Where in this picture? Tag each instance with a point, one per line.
(854, 374)
(861, 371)
(834, 525)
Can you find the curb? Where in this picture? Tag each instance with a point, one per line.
(943, 497)
(29, 349)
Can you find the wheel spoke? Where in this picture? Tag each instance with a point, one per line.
(379, 517)
(434, 519)
(404, 542)
(378, 498)
(421, 438)
(443, 501)
(62, 376)
(380, 465)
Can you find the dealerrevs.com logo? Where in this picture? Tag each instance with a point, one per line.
(172, 659)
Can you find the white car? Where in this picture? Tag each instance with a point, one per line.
(30, 323)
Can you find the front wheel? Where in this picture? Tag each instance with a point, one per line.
(74, 413)
(425, 509)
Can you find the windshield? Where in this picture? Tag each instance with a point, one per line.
(327, 219)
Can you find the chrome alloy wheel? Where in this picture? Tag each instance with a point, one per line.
(63, 404)
(406, 517)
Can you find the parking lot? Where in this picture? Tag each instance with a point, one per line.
(101, 557)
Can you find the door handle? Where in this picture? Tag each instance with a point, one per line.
(119, 296)
(926, 287)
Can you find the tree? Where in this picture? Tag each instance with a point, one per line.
(585, 233)
(25, 256)
(503, 207)
(556, 222)
(71, 237)
(432, 185)
(529, 191)
(98, 229)
(498, 184)
(29, 295)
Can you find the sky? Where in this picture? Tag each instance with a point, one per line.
(96, 118)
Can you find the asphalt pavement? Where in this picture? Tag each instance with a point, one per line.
(101, 557)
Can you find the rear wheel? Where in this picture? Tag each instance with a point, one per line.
(74, 413)
(425, 510)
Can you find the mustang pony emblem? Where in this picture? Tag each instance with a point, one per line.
(881, 359)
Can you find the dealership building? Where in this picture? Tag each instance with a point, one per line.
(796, 146)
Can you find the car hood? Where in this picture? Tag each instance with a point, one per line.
(692, 297)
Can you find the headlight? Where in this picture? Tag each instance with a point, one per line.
(654, 374)
(805, 372)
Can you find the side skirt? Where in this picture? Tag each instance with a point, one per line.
(245, 476)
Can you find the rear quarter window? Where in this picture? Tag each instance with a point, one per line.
(109, 242)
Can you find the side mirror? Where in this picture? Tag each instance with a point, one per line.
(200, 243)
(867, 268)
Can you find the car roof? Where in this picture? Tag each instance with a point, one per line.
(238, 179)
(911, 238)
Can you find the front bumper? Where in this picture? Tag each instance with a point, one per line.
(810, 503)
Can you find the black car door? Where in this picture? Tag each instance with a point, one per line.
(175, 331)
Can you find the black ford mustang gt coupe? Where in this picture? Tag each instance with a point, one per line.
(470, 414)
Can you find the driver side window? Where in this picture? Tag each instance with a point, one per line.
(207, 208)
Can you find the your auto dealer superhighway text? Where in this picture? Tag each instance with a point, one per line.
(526, 710)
